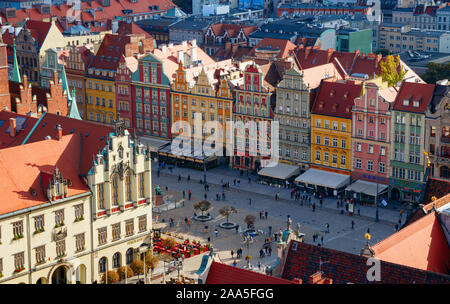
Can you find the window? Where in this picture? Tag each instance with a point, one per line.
(335, 125)
(116, 260)
(383, 151)
(343, 159)
(18, 229)
(326, 124)
(141, 185)
(370, 134)
(128, 187)
(334, 158)
(371, 120)
(335, 142)
(39, 223)
(116, 232)
(383, 120)
(381, 167)
(358, 163)
(317, 155)
(318, 139)
(79, 212)
(129, 227)
(142, 223)
(318, 124)
(370, 165)
(79, 242)
(417, 175)
(59, 217)
(326, 141)
(360, 132)
(101, 196)
(343, 127)
(115, 190)
(19, 260)
(102, 265)
(40, 254)
(60, 248)
(102, 235)
(370, 149)
(358, 147)
(343, 144)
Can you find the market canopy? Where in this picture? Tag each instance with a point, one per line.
(369, 188)
(280, 171)
(324, 178)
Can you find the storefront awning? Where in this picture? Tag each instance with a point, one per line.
(369, 188)
(324, 178)
(154, 143)
(280, 171)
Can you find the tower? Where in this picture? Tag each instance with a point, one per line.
(5, 99)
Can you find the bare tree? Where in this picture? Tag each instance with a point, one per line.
(250, 220)
(203, 206)
(227, 211)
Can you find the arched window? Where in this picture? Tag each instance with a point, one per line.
(116, 260)
(445, 172)
(120, 152)
(129, 256)
(115, 190)
(128, 186)
(102, 265)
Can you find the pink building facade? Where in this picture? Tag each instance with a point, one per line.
(371, 133)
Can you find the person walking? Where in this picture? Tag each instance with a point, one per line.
(188, 178)
(179, 178)
(217, 232)
(189, 194)
(237, 229)
(396, 227)
(260, 215)
(328, 228)
(266, 214)
(321, 239)
(232, 253)
(217, 196)
(321, 202)
(234, 263)
(234, 182)
(158, 172)
(206, 196)
(250, 201)
(314, 207)
(259, 265)
(359, 212)
(223, 196)
(353, 225)
(167, 188)
(184, 194)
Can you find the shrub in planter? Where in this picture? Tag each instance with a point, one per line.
(121, 272)
(111, 275)
(137, 266)
(191, 252)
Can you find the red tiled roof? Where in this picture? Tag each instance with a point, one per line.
(21, 167)
(112, 46)
(336, 98)
(445, 198)
(219, 29)
(343, 267)
(414, 91)
(39, 29)
(93, 135)
(126, 28)
(5, 139)
(420, 245)
(285, 46)
(220, 273)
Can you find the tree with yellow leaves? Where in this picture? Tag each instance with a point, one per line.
(392, 70)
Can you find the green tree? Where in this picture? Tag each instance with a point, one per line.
(436, 71)
(392, 70)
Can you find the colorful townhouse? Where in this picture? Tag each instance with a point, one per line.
(371, 140)
(101, 74)
(252, 104)
(408, 172)
(124, 101)
(151, 98)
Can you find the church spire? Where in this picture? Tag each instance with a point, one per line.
(73, 111)
(65, 83)
(16, 74)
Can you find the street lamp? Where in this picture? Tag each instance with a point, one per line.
(204, 171)
(248, 239)
(376, 194)
(179, 266)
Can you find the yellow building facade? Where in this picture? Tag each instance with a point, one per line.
(101, 100)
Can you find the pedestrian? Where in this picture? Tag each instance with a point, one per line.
(259, 265)
(232, 253)
(189, 194)
(275, 236)
(353, 225)
(266, 214)
(209, 239)
(239, 183)
(217, 232)
(223, 196)
(314, 207)
(184, 194)
(179, 178)
(321, 239)
(320, 202)
(368, 230)
(270, 230)
(217, 196)
(400, 221)
(158, 172)
(234, 263)
(292, 193)
(270, 251)
(249, 180)
(189, 222)
(167, 188)
(234, 182)
(237, 229)
(396, 227)
(185, 220)
(337, 204)
(276, 196)
(250, 201)
(206, 196)
(189, 178)
(260, 215)
(328, 228)
(359, 212)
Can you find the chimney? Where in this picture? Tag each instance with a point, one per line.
(194, 53)
(298, 281)
(316, 277)
(163, 48)
(180, 56)
(12, 127)
(170, 45)
(184, 43)
(58, 132)
(194, 42)
(55, 77)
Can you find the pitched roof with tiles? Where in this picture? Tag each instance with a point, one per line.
(421, 245)
(413, 92)
(21, 167)
(345, 267)
(131, 28)
(426, 209)
(39, 29)
(24, 124)
(93, 135)
(220, 273)
(336, 98)
(284, 46)
(233, 30)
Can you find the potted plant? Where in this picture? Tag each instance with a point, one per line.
(191, 252)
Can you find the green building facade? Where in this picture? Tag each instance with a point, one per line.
(350, 40)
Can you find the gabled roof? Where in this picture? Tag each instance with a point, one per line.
(284, 46)
(233, 30)
(220, 273)
(21, 167)
(93, 135)
(421, 245)
(131, 28)
(413, 91)
(24, 126)
(426, 209)
(336, 98)
(344, 268)
(39, 29)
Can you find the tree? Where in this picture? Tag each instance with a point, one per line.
(112, 277)
(250, 220)
(203, 206)
(391, 70)
(383, 52)
(227, 211)
(168, 243)
(138, 267)
(121, 272)
(436, 71)
(151, 261)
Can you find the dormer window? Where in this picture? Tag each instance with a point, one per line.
(332, 92)
(416, 103)
(406, 102)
